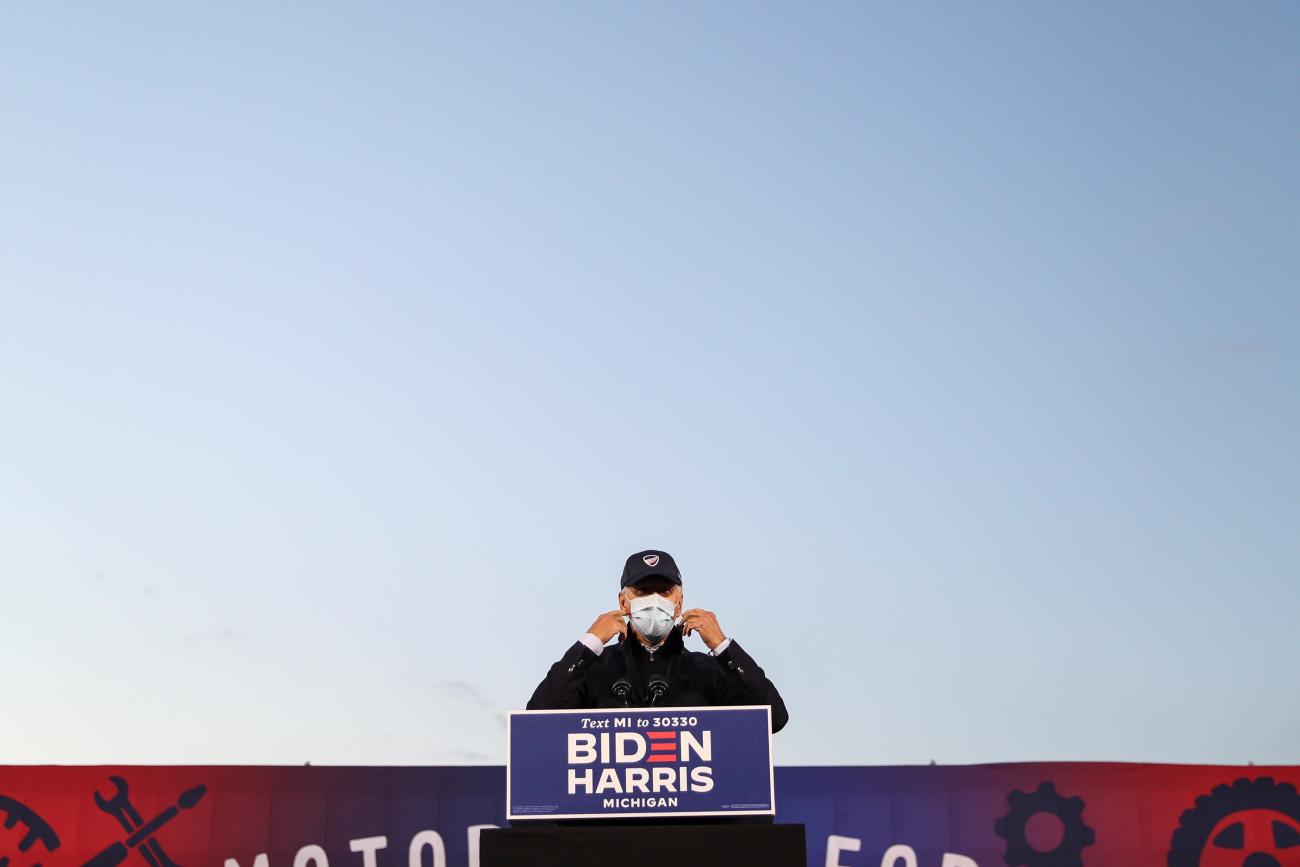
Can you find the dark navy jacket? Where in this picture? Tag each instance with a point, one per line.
(581, 679)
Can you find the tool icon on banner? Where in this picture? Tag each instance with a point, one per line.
(139, 831)
(1249, 823)
(38, 830)
(1067, 813)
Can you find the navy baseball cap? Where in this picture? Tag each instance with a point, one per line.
(644, 564)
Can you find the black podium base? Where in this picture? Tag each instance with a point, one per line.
(638, 845)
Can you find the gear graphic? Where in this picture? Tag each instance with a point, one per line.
(1251, 823)
(1026, 805)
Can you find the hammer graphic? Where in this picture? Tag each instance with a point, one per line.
(120, 808)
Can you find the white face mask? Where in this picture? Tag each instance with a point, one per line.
(653, 616)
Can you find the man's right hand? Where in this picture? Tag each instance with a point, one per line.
(608, 625)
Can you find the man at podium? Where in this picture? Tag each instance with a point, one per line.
(650, 665)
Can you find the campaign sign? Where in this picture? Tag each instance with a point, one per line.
(636, 762)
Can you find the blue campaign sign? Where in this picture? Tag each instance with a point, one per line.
(681, 761)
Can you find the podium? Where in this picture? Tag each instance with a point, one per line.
(648, 845)
(641, 786)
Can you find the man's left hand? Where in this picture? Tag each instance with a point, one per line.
(705, 623)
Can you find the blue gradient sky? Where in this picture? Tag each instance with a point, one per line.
(347, 350)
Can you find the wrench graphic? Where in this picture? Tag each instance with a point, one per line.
(119, 807)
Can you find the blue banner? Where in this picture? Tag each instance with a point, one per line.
(640, 762)
(1014, 815)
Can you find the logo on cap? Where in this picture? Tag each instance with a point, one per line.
(651, 559)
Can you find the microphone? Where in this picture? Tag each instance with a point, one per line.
(623, 692)
(658, 686)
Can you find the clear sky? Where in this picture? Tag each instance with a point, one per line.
(346, 350)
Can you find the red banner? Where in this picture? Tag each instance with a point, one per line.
(1019, 815)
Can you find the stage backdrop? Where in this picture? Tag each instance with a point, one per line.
(1035, 815)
